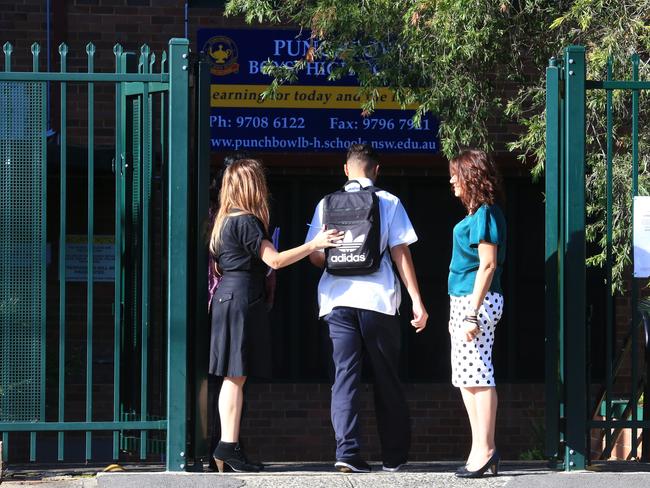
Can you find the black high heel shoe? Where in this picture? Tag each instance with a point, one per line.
(492, 464)
(229, 454)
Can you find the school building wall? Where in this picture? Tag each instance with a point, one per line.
(288, 419)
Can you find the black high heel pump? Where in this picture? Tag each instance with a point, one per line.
(492, 464)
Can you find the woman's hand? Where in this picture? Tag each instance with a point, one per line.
(470, 328)
(327, 238)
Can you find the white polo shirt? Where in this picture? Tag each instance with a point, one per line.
(379, 291)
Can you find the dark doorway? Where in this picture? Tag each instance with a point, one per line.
(300, 344)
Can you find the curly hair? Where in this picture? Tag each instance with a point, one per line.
(478, 177)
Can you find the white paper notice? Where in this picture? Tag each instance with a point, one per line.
(641, 238)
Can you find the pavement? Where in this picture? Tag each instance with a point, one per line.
(512, 474)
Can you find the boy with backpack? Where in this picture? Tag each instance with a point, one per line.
(359, 296)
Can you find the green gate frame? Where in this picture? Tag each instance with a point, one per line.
(568, 413)
(172, 83)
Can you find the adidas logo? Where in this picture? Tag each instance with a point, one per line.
(350, 244)
(348, 258)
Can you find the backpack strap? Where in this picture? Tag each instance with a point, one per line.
(373, 189)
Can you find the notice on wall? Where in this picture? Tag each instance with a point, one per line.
(76, 258)
(641, 239)
(311, 114)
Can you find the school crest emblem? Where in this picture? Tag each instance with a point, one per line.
(222, 53)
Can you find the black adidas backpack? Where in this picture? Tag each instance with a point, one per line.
(357, 214)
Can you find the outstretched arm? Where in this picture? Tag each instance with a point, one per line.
(401, 255)
(270, 255)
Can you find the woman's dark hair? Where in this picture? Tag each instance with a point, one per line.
(478, 177)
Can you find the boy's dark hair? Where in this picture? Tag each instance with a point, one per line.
(362, 155)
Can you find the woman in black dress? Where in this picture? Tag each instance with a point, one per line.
(240, 337)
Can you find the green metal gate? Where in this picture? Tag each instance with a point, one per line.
(149, 96)
(571, 402)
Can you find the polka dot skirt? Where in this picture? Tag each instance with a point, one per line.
(471, 362)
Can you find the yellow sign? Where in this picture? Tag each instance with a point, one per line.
(297, 96)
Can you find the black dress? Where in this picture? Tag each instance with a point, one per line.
(240, 337)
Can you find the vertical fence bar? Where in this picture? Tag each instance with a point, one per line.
(133, 236)
(552, 200)
(63, 51)
(119, 172)
(43, 284)
(201, 178)
(177, 255)
(146, 246)
(36, 49)
(635, 284)
(90, 50)
(576, 400)
(561, 264)
(163, 189)
(126, 111)
(163, 113)
(609, 303)
(7, 48)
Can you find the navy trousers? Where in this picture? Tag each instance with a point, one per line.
(355, 332)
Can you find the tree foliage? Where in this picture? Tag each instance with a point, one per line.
(610, 30)
(443, 56)
(461, 59)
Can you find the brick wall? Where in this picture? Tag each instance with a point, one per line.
(291, 422)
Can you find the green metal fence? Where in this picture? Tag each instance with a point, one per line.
(571, 403)
(151, 96)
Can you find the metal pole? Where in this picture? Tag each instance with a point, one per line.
(552, 250)
(202, 330)
(575, 254)
(177, 255)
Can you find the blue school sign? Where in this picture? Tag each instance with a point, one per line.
(312, 114)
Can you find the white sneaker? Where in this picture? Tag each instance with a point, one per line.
(393, 469)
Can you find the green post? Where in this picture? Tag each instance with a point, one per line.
(552, 246)
(63, 51)
(146, 248)
(575, 253)
(609, 300)
(177, 255)
(118, 166)
(634, 292)
(90, 50)
(202, 330)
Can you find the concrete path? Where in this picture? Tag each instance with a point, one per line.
(294, 475)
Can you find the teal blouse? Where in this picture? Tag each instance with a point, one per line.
(486, 224)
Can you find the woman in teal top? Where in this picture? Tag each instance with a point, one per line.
(476, 300)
